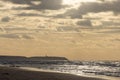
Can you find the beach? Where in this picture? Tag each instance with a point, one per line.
(8, 73)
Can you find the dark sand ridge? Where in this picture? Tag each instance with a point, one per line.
(7, 73)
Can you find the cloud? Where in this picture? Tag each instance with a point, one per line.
(15, 29)
(49, 4)
(70, 13)
(5, 19)
(44, 4)
(25, 36)
(117, 39)
(32, 15)
(16, 36)
(21, 1)
(93, 7)
(13, 36)
(29, 14)
(66, 28)
(84, 23)
(99, 7)
(114, 23)
(112, 31)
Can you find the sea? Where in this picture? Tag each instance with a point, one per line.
(109, 70)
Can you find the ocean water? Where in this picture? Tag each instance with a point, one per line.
(101, 69)
(74, 72)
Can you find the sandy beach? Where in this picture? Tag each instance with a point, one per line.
(7, 73)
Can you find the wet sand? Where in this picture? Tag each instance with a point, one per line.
(7, 73)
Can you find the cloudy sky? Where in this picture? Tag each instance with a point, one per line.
(76, 29)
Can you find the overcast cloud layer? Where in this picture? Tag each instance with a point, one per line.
(70, 30)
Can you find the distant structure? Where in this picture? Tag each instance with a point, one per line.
(6, 60)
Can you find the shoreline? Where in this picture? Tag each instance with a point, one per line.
(8, 73)
(83, 75)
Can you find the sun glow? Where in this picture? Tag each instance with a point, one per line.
(74, 2)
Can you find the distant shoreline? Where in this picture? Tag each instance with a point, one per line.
(7, 73)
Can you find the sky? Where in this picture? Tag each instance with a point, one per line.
(76, 29)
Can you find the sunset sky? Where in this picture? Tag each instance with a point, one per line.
(76, 29)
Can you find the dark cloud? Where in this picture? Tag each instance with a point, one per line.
(27, 37)
(5, 19)
(93, 7)
(84, 23)
(1, 5)
(66, 28)
(32, 15)
(44, 4)
(29, 14)
(117, 39)
(13, 36)
(1, 29)
(99, 7)
(22, 1)
(15, 28)
(71, 14)
(110, 23)
(49, 4)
